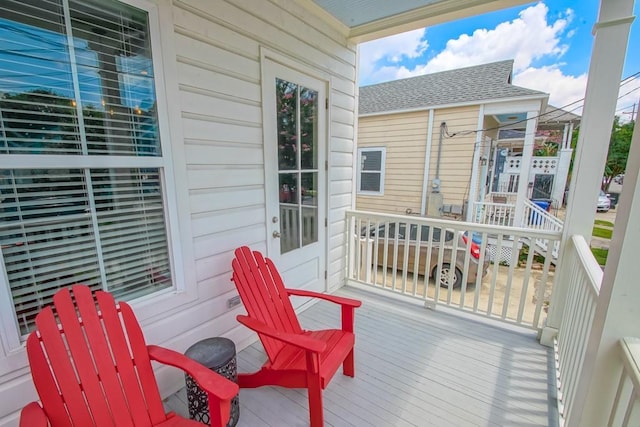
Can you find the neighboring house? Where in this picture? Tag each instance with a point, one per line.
(436, 144)
(143, 141)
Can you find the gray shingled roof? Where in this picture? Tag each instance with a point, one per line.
(479, 83)
(557, 115)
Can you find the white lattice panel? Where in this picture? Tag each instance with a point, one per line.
(502, 256)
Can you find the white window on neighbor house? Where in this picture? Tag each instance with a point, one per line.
(371, 170)
(82, 168)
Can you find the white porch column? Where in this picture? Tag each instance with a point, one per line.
(617, 313)
(562, 169)
(525, 166)
(605, 71)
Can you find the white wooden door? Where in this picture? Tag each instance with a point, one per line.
(295, 177)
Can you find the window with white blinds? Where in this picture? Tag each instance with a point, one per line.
(81, 165)
(371, 170)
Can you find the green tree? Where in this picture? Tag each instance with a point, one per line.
(619, 145)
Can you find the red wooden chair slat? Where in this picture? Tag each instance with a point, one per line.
(143, 408)
(296, 358)
(102, 354)
(93, 368)
(83, 360)
(62, 368)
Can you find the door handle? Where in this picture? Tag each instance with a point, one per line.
(276, 234)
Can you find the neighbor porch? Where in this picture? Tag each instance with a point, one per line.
(414, 366)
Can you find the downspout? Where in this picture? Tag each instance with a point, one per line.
(427, 160)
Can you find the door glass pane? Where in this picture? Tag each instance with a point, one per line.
(309, 188)
(297, 125)
(289, 188)
(309, 196)
(289, 212)
(309, 125)
(287, 117)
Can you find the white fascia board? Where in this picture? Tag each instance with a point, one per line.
(487, 103)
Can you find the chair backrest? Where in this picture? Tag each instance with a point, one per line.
(91, 366)
(264, 296)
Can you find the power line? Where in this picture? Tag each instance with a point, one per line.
(623, 82)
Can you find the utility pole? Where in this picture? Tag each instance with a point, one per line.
(633, 112)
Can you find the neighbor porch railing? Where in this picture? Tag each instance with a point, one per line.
(389, 253)
(573, 335)
(539, 219)
(494, 213)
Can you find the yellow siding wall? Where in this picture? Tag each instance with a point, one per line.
(404, 137)
(457, 152)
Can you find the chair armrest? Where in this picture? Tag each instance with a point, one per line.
(211, 382)
(332, 298)
(33, 415)
(348, 305)
(301, 341)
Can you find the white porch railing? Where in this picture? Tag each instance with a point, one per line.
(571, 343)
(400, 254)
(494, 213)
(626, 406)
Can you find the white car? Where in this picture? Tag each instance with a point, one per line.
(604, 202)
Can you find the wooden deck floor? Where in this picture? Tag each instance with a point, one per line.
(414, 367)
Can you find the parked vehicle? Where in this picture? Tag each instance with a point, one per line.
(604, 202)
(429, 245)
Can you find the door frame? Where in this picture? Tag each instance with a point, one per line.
(270, 58)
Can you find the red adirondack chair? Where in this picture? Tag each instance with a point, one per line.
(93, 368)
(296, 358)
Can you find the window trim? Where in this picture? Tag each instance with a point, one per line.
(383, 159)
(177, 216)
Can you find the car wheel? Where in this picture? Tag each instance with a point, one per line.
(444, 277)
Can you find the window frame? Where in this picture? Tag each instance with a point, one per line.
(383, 157)
(175, 203)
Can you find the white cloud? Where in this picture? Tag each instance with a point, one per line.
(525, 39)
(563, 89)
(391, 49)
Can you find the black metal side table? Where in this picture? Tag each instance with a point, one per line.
(219, 355)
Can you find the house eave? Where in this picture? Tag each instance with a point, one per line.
(541, 97)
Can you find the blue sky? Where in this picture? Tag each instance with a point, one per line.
(550, 41)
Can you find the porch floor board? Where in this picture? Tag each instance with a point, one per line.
(414, 367)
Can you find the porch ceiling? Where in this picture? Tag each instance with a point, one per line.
(370, 19)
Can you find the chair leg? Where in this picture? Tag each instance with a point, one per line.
(348, 366)
(314, 390)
